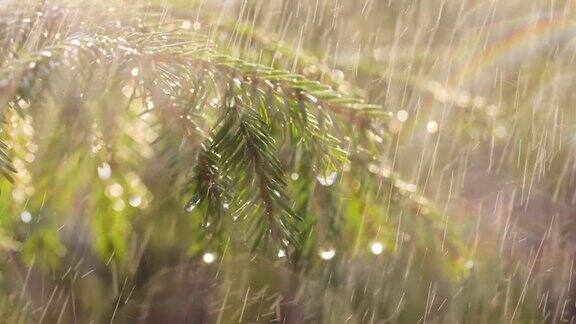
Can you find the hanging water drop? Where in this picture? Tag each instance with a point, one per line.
(327, 180)
(135, 201)
(26, 216)
(104, 171)
(327, 254)
(377, 248)
(208, 257)
(193, 203)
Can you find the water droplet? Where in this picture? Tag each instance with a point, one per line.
(28, 130)
(26, 216)
(119, 205)
(327, 180)
(432, 127)
(294, 176)
(500, 131)
(379, 53)
(127, 91)
(208, 257)
(402, 115)
(149, 103)
(104, 171)
(327, 254)
(135, 201)
(114, 190)
(18, 195)
(377, 248)
(135, 71)
(492, 110)
(186, 25)
(193, 203)
(225, 206)
(29, 157)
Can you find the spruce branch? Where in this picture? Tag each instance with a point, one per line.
(259, 106)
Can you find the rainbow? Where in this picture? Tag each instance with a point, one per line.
(552, 28)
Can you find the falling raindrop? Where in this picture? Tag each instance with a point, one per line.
(135, 71)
